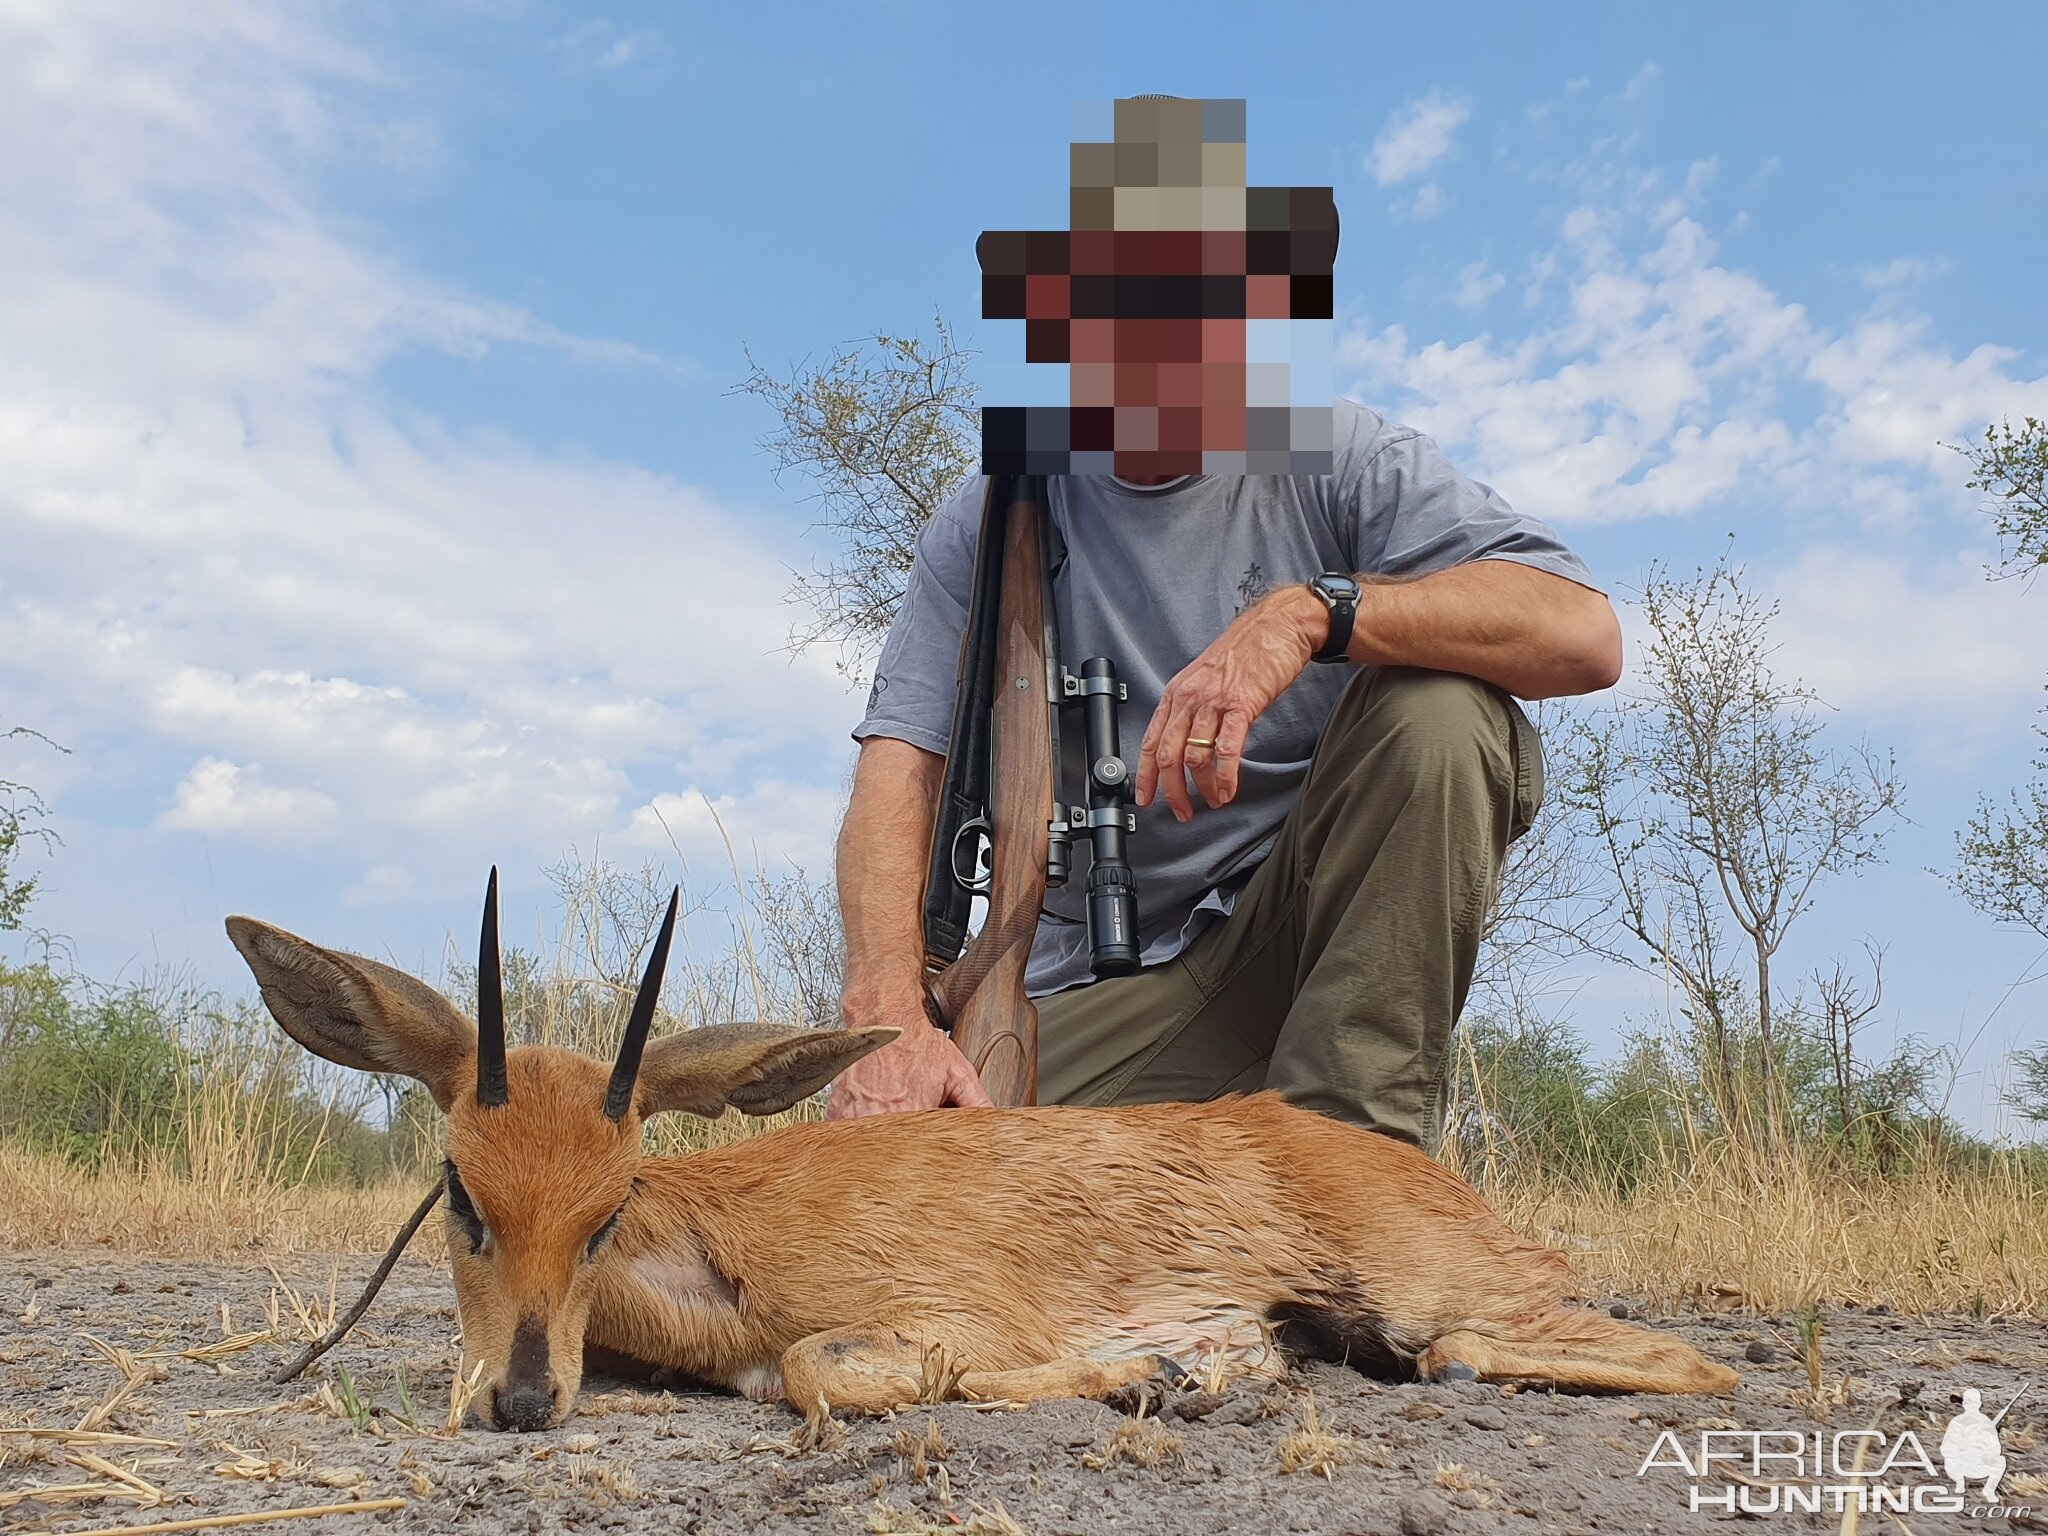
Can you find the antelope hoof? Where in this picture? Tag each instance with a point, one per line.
(1455, 1374)
(1169, 1370)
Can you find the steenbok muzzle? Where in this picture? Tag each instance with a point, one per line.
(1032, 1253)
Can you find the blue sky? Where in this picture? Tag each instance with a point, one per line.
(373, 505)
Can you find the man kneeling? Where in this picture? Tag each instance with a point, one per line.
(1313, 928)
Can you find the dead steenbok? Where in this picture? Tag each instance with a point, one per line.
(1056, 1252)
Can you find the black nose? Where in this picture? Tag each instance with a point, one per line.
(525, 1408)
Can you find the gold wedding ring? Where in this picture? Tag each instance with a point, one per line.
(1201, 741)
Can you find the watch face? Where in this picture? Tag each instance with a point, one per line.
(1336, 588)
(1339, 594)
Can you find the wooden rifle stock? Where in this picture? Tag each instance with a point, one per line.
(980, 995)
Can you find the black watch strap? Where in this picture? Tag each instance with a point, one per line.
(1339, 594)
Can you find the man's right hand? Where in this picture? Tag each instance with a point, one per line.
(921, 1069)
(881, 885)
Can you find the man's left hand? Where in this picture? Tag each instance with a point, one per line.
(1197, 733)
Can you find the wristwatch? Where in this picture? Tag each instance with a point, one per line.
(1339, 594)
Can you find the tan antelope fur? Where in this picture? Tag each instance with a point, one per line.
(1004, 1254)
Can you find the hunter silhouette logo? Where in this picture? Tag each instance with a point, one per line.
(1970, 1447)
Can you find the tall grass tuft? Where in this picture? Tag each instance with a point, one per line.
(1655, 1192)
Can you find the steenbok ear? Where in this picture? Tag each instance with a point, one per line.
(756, 1068)
(357, 1013)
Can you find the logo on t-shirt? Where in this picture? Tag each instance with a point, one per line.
(1253, 587)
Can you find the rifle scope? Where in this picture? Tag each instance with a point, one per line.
(1112, 887)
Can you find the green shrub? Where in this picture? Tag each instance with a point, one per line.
(171, 1075)
(84, 1072)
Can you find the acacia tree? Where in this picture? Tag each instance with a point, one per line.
(2002, 850)
(2028, 1091)
(1720, 812)
(1551, 906)
(885, 428)
(2002, 854)
(21, 809)
(2010, 465)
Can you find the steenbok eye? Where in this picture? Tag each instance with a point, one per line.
(465, 1211)
(597, 1238)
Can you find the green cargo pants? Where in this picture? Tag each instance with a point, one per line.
(1340, 972)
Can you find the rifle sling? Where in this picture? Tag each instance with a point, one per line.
(967, 785)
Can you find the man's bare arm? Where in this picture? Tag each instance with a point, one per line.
(1536, 635)
(882, 848)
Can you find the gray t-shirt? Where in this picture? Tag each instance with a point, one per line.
(1149, 577)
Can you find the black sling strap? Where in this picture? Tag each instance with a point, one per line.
(960, 835)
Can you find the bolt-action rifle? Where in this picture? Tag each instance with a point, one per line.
(1000, 832)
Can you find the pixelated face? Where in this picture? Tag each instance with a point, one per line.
(1194, 313)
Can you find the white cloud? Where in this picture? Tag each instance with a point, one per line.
(1540, 111)
(1890, 638)
(380, 883)
(772, 827)
(1477, 284)
(599, 45)
(1429, 200)
(1416, 137)
(1899, 272)
(1642, 82)
(1895, 395)
(1653, 379)
(388, 645)
(220, 796)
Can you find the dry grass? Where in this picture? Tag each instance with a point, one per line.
(1140, 1441)
(1790, 1233)
(938, 1374)
(985, 1520)
(46, 1202)
(1452, 1477)
(919, 1456)
(1312, 1448)
(1721, 1233)
(255, 1517)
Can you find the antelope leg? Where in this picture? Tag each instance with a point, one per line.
(875, 1367)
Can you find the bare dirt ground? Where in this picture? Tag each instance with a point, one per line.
(1329, 1451)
